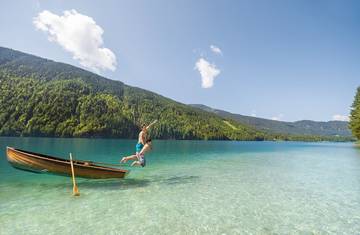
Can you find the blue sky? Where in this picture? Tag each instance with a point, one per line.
(287, 60)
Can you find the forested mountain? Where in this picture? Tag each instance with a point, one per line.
(40, 97)
(304, 127)
(355, 115)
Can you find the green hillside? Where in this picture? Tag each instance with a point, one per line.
(304, 127)
(40, 97)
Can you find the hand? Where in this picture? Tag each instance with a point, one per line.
(153, 123)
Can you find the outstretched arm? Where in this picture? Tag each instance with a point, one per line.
(143, 150)
(151, 124)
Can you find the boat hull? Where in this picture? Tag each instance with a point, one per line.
(40, 163)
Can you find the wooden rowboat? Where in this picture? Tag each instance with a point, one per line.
(41, 163)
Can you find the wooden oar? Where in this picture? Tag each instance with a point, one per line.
(75, 188)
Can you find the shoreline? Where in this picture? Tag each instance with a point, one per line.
(357, 143)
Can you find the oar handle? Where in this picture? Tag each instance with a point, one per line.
(75, 188)
(72, 169)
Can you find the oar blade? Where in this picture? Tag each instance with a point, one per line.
(76, 191)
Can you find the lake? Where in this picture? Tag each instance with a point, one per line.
(188, 187)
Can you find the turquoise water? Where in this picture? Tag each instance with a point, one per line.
(188, 187)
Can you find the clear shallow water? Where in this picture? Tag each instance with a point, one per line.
(188, 187)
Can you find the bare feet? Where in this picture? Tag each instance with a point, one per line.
(123, 160)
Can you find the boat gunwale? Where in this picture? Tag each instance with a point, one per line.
(76, 162)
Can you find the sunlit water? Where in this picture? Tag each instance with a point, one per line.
(188, 187)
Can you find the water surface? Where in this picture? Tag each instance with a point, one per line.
(188, 187)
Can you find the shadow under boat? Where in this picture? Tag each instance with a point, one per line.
(131, 183)
(113, 184)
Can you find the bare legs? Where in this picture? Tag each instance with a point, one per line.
(136, 163)
(131, 157)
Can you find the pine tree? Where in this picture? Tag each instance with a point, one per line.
(355, 116)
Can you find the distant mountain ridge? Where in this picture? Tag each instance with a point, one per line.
(303, 127)
(41, 97)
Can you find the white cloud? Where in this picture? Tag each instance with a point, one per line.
(207, 71)
(339, 117)
(216, 49)
(278, 117)
(253, 113)
(78, 34)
